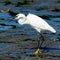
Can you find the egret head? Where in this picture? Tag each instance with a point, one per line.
(21, 18)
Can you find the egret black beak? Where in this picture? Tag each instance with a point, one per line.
(17, 15)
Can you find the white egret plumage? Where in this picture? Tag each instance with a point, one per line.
(36, 22)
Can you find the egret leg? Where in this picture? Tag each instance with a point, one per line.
(38, 51)
(41, 42)
(38, 43)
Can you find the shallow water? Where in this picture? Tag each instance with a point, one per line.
(14, 38)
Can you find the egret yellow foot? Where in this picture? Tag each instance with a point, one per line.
(39, 53)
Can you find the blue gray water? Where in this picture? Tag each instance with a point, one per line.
(14, 37)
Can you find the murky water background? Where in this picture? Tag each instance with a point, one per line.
(16, 41)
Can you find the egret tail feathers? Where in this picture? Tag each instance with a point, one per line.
(52, 30)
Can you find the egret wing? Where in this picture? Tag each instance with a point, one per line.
(40, 23)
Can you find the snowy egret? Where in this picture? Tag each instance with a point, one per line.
(36, 22)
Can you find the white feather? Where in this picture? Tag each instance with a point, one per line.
(36, 22)
(39, 23)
